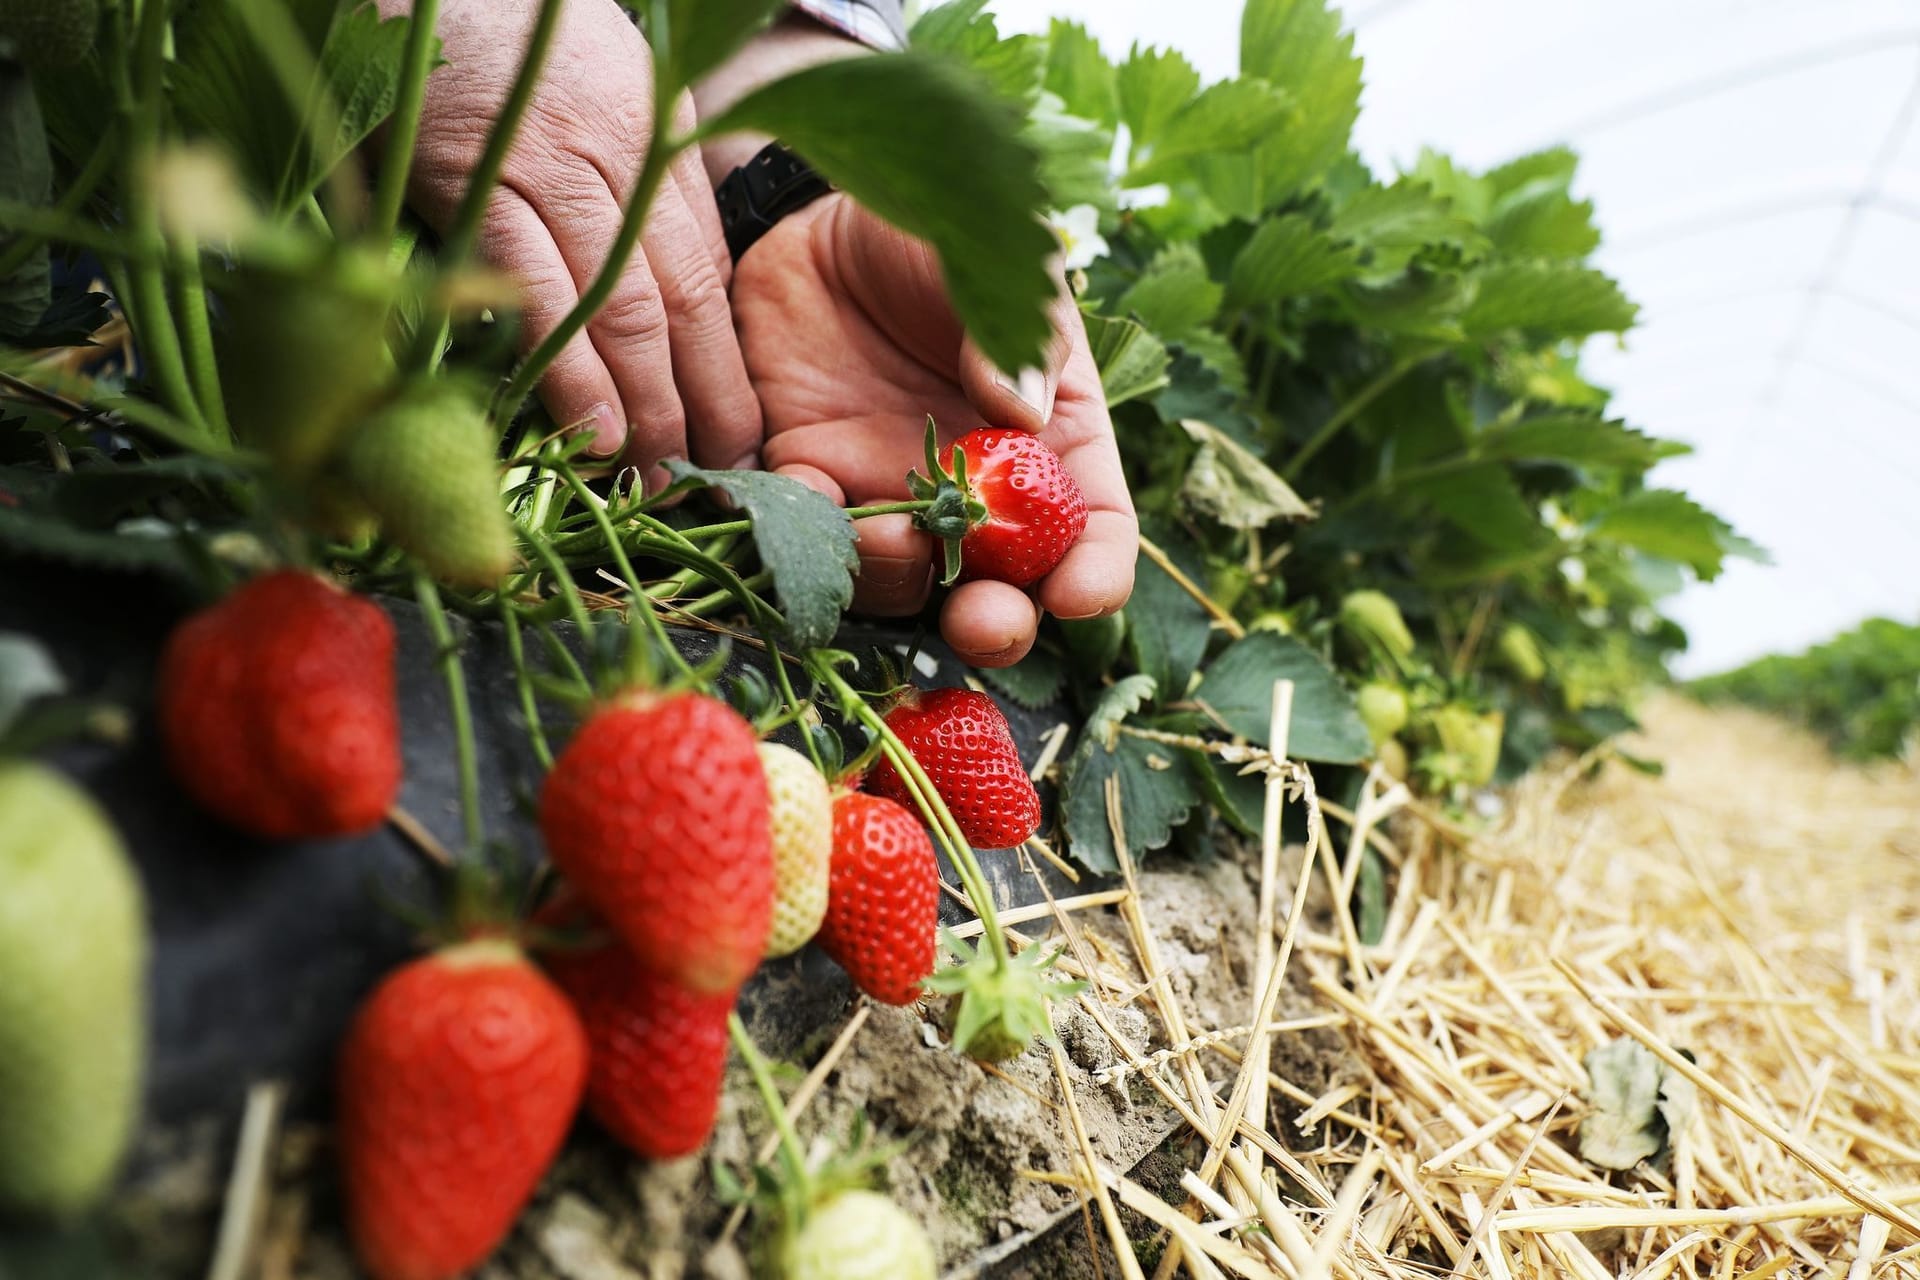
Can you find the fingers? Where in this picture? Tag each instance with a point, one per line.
(1096, 576)
(989, 624)
(896, 567)
(1024, 401)
(578, 390)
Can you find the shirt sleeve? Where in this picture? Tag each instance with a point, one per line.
(879, 23)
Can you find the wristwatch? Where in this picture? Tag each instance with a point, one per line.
(762, 191)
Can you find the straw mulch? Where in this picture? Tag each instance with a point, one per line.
(1758, 907)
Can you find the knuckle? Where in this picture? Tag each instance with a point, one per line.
(638, 316)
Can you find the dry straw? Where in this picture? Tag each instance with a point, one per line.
(1757, 907)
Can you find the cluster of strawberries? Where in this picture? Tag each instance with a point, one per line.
(689, 849)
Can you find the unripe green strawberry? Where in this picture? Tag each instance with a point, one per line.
(801, 813)
(73, 949)
(1472, 738)
(1383, 709)
(1373, 616)
(49, 33)
(858, 1235)
(425, 466)
(1521, 652)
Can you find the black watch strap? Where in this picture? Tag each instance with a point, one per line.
(762, 191)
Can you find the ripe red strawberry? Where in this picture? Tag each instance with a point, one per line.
(657, 812)
(884, 901)
(458, 1082)
(962, 741)
(277, 708)
(659, 1051)
(1035, 510)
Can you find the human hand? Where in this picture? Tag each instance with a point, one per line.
(851, 342)
(658, 369)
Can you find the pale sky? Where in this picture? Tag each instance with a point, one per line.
(1756, 167)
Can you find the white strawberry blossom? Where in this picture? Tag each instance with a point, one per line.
(1078, 229)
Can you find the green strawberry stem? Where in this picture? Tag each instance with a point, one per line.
(464, 754)
(562, 579)
(909, 507)
(792, 1157)
(203, 371)
(523, 684)
(429, 340)
(945, 828)
(403, 126)
(640, 604)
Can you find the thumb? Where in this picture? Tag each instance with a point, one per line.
(1022, 400)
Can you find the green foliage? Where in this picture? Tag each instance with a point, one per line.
(1333, 387)
(1860, 690)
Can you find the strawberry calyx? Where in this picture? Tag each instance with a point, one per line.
(999, 1008)
(952, 506)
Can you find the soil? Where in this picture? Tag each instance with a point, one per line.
(965, 1134)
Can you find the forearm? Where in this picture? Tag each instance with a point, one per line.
(791, 44)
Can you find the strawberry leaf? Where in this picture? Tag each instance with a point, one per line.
(1551, 299)
(1238, 687)
(1286, 256)
(1157, 788)
(1298, 46)
(1167, 629)
(1080, 74)
(805, 541)
(1580, 439)
(1669, 524)
(1132, 362)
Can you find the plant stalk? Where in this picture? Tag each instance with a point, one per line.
(465, 755)
(1354, 406)
(403, 127)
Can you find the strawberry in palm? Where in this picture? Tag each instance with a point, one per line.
(960, 738)
(1006, 510)
(458, 1082)
(657, 812)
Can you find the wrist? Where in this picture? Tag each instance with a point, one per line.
(791, 44)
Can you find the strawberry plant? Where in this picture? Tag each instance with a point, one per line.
(1860, 690)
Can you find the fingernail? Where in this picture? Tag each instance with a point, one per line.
(1030, 386)
(746, 462)
(609, 433)
(887, 571)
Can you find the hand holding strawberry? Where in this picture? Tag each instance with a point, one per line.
(1007, 510)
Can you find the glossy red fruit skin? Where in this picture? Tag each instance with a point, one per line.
(1035, 510)
(457, 1084)
(962, 741)
(277, 708)
(659, 1051)
(657, 812)
(883, 904)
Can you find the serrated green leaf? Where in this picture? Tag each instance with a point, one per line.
(1073, 155)
(1298, 46)
(1551, 299)
(701, 34)
(1033, 682)
(1132, 362)
(1669, 524)
(1238, 797)
(1541, 220)
(1234, 485)
(1552, 164)
(804, 539)
(1226, 117)
(1014, 65)
(1238, 687)
(1484, 502)
(1470, 195)
(1174, 296)
(892, 130)
(1389, 226)
(1420, 303)
(1284, 257)
(1153, 84)
(1080, 74)
(1157, 788)
(1579, 439)
(1216, 351)
(1167, 629)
